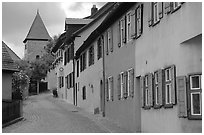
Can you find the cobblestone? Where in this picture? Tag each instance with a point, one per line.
(45, 114)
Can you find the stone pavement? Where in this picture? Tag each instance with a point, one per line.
(45, 114)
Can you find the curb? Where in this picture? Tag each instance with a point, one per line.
(12, 122)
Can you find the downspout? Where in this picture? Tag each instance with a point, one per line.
(103, 57)
(73, 60)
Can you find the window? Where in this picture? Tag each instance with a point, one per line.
(156, 81)
(139, 20)
(77, 68)
(171, 7)
(146, 87)
(61, 81)
(176, 5)
(83, 62)
(128, 26)
(155, 12)
(195, 97)
(130, 83)
(122, 84)
(91, 55)
(65, 57)
(122, 31)
(84, 93)
(110, 89)
(169, 87)
(100, 44)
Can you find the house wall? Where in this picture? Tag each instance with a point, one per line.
(90, 78)
(163, 45)
(61, 91)
(6, 85)
(68, 93)
(51, 79)
(124, 112)
(33, 48)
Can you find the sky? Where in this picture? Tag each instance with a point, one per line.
(17, 18)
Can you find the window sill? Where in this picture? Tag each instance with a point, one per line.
(195, 117)
(174, 10)
(157, 106)
(146, 107)
(166, 106)
(155, 23)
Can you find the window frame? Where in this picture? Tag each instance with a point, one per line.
(156, 87)
(121, 32)
(155, 19)
(91, 55)
(146, 89)
(191, 115)
(110, 88)
(167, 82)
(99, 47)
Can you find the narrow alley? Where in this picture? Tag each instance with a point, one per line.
(45, 114)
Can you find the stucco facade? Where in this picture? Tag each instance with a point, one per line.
(175, 40)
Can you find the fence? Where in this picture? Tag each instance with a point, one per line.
(11, 110)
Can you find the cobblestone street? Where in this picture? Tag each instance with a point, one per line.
(45, 114)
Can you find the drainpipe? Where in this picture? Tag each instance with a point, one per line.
(103, 57)
(74, 88)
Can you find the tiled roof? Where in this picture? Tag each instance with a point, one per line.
(37, 30)
(7, 62)
(11, 53)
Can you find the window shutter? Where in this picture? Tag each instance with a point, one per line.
(167, 7)
(111, 38)
(160, 10)
(150, 17)
(107, 47)
(160, 85)
(141, 16)
(119, 32)
(133, 23)
(119, 91)
(132, 83)
(124, 29)
(65, 57)
(125, 84)
(142, 90)
(173, 83)
(107, 91)
(182, 102)
(150, 87)
(112, 89)
(93, 56)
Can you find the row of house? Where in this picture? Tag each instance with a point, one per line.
(138, 64)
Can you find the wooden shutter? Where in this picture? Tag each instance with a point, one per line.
(142, 90)
(182, 102)
(107, 90)
(112, 89)
(150, 14)
(107, 46)
(150, 88)
(173, 84)
(167, 7)
(93, 54)
(160, 10)
(132, 83)
(161, 86)
(119, 34)
(125, 84)
(111, 38)
(119, 89)
(124, 29)
(133, 23)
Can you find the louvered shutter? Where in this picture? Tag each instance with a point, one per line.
(173, 84)
(132, 83)
(160, 10)
(112, 89)
(107, 90)
(119, 34)
(167, 7)
(182, 102)
(125, 84)
(107, 47)
(160, 86)
(150, 14)
(119, 89)
(142, 90)
(93, 56)
(111, 38)
(124, 29)
(133, 24)
(150, 89)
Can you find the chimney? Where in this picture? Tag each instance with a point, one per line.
(94, 10)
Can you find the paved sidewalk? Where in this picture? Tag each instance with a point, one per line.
(45, 114)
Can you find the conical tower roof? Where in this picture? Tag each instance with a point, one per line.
(37, 30)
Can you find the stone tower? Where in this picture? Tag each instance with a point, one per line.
(36, 39)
